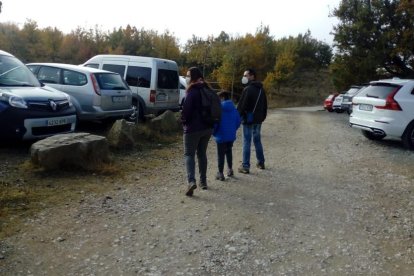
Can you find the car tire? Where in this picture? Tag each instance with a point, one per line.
(372, 136)
(330, 110)
(408, 137)
(138, 113)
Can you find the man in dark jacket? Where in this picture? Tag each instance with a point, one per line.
(253, 99)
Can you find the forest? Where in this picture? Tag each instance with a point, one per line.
(373, 39)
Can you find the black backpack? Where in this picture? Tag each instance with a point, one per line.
(210, 107)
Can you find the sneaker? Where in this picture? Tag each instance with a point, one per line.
(191, 187)
(230, 172)
(203, 185)
(220, 176)
(260, 166)
(243, 170)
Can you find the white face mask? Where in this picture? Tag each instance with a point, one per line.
(245, 80)
(187, 80)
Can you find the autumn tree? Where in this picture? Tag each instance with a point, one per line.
(10, 39)
(166, 46)
(374, 36)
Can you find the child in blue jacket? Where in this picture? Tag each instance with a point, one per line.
(225, 134)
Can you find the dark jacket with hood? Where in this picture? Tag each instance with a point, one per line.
(248, 100)
(191, 110)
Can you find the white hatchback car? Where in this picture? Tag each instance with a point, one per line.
(385, 108)
(96, 94)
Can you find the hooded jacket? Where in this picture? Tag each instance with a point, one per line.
(229, 123)
(248, 100)
(191, 110)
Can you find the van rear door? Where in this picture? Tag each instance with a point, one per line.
(167, 90)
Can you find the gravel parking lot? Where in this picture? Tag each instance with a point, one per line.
(330, 202)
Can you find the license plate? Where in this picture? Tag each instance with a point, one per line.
(365, 107)
(56, 122)
(119, 99)
(161, 97)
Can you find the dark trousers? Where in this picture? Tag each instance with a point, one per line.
(224, 150)
(196, 143)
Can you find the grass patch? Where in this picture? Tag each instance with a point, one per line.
(26, 189)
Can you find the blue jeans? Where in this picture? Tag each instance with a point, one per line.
(196, 143)
(249, 132)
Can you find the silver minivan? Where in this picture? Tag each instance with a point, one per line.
(96, 94)
(153, 81)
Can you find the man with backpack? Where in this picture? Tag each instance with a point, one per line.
(198, 122)
(252, 107)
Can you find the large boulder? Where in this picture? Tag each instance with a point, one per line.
(82, 150)
(121, 135)
(165, 123)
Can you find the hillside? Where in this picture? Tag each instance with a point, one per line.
(307, 88)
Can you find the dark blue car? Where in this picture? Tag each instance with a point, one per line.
(28, 110)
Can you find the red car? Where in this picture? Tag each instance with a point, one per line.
(327, 104)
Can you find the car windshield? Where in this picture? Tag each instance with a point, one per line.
(111, 81)
(352, 91)
(14, 73)
(378, 90)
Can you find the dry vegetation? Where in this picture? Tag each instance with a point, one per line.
(25, 189)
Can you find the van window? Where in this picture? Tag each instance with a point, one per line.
(120, 69)
(167, 79)
(138, 76)
(92, 65)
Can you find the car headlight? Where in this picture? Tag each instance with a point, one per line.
(69, 100)
(13, 100)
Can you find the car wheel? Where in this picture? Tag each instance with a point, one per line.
(330, 110)
(372, 136)
(136, 114)
(408, 137)
(349, 112)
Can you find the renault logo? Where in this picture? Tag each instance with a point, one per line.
(53, 105)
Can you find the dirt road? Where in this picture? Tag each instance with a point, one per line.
(329, 203)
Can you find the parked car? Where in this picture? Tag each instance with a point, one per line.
(153, 81)
(327, 104)
(183, 88)
(337, 104)
(96, 94)
(28, 110)
(347, 98)
(385, 108)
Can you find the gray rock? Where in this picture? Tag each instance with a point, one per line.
(121, 135)
(165, 123)
(73, 149)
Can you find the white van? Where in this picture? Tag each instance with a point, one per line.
(153, 81)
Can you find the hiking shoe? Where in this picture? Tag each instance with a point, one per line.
(191, 187)
(243, 170)
(220, 176)
(203, 185)
(230, 172)
(260, 166)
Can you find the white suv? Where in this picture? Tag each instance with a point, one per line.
(385, 108)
